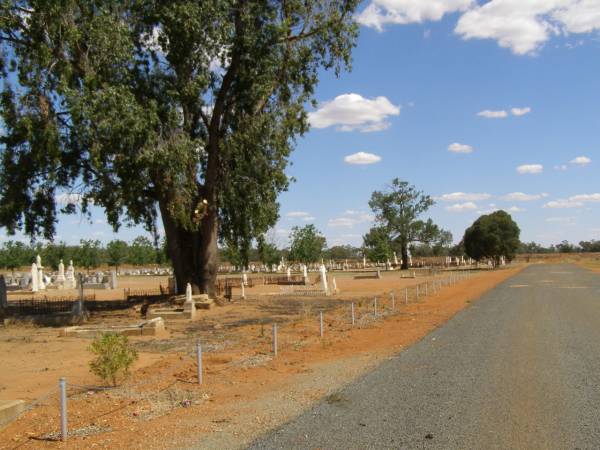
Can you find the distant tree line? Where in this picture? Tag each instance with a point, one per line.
(592, 246)
(88, 254)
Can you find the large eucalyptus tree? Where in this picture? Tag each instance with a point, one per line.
(184, 109)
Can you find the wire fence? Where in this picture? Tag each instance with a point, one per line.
(193, 370)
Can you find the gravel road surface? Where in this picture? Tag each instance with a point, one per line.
(518, 369)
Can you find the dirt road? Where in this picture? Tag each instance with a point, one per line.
(519, 369)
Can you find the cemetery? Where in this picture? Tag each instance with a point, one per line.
(235, 333)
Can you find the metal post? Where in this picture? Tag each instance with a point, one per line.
(321, 323)
(199, 360)
(352, 312)
(62, 383)
(274, 339)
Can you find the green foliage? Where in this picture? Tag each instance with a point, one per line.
(268, 252)
(142, 252)
(343, 252)
(398, 210)
(52, 254)
(117, 252)
(88, 253)
(378, 245)
(15, 254)
(492, 236)
(186, 109)
(113, 357)
(590, 246)
(307, 244)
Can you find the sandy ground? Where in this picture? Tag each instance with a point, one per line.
(246, 391)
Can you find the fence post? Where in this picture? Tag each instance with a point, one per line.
(199, 360)
(275, 339)
(352, 312)
(321, 323)
(62, 383)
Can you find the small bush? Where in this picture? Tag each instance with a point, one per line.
(114, 357)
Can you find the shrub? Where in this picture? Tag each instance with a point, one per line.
(114, 357)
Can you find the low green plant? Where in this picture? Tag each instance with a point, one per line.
(114, 357)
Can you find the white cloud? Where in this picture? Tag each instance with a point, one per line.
(563, 204)
(515, 209)
(489, 114)
(297, 214)
(350, 219)
(582, 16)
(383, 12)
(530, 169)
(581, 161)
(520, 111)
(362, 158)
(561, 220)
(523, 26)
(522, 197)
(460, 148)
(462, 207)
(350, 112)
(463, 197)
(585, 198)
(561, 167)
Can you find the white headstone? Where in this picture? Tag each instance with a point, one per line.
(395, 259)
(41, 280)
(188, 293)
(60, 278)
(34, 278)
(324, 284)
(38, 261)
(304, 271)
(289, 274)
(333, 283)
(364, 262)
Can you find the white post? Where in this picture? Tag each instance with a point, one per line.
(199, 360)
(321, 323)
(62, 383)
(243, 291)
(274, 340)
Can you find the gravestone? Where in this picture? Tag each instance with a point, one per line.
(3, 295)
(34, 278)
(324, 283)
(60, 279)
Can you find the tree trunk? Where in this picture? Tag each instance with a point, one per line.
(193, 254)
(404, 250)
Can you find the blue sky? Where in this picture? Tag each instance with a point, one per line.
(483, 105)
